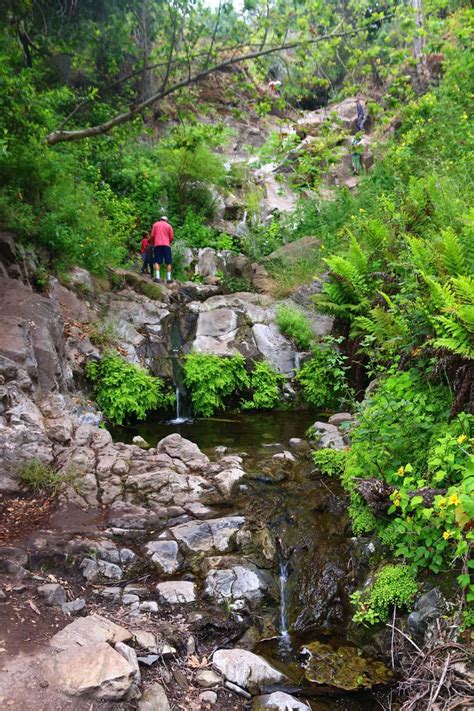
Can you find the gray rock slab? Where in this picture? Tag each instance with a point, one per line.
(274, 347)
(95, 669)
(211, 535)
(89, 630)
(164, 555)
(245, 669)
(176, 592)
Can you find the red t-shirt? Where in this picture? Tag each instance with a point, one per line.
(162, 234)
(145, 244)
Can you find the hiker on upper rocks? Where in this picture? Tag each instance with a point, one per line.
(162, 237)
(147, 255)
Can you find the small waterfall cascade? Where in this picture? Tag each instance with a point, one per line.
(285, 639)
(241, 230)
(182, 408)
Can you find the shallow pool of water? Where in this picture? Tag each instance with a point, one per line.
(237, 431)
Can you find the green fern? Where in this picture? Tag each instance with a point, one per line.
(454, 327)
(453, 260)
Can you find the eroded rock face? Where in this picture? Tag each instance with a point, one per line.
(245, 669)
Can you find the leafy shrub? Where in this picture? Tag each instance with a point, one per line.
(42, 478)
(293, 324)
(404, 437)
(232, 285)
(211, 379)
(124, 390)
(323, 377)
(330, 461)
(393, 585)
(195, 233)
(265, 383)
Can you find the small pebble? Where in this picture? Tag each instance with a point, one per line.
(208, 697)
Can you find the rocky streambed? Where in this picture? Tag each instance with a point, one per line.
(214, 579)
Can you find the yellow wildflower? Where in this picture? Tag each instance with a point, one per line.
(454, 499)
(401, 471)
(447, 534)
(442, 502)
(396, 502)
(462, 438)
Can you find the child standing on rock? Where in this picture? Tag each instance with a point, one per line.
(162, 237)
(147, 255)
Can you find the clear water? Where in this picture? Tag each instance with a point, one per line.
(306, 534)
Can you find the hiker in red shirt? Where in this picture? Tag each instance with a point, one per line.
(147, 254)
(161, 237)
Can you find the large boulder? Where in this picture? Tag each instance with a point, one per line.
(274, 347)
(89, 630)
(245, 669)
(177, 447)
(95, 669)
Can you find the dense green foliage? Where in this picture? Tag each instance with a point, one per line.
(211, 379)
(323, 377)
(265, 384)
(330, 461)
(393, 585)
(124, 390)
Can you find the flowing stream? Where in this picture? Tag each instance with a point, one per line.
(303, 519)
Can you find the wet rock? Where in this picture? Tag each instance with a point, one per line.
(207, 679)
(339, 418)
(154, 699)
(208, 697)
(75, 607)
(283, 457)
(242, 582)
(176, 592)
(164, 555)
(227, 479)
(245, 669)
(344, 667)
(279, 701)
(96, 670)
(53, 594)
(212, 535)
(140, 442)
(89, 630)
(428, 608)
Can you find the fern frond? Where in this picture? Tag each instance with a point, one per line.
(451, 252)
